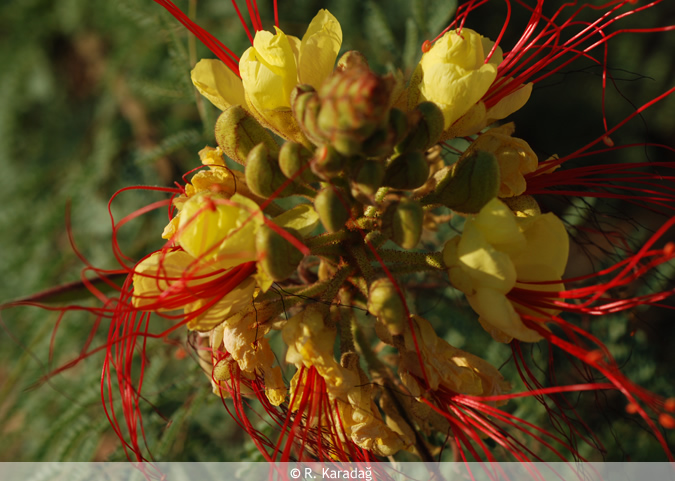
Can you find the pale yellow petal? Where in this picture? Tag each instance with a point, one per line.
(218, 83)
(547, 242)
(268, 71)
(303, 218)
(220, 309)
(509, 104)
(156, 274)
(319, 49)
(486, 266)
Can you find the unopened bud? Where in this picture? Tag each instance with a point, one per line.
(402, 221)
(305, 105)
(407, 171)
(367, 176)
(264, 177)
(327, 162)
(280, 258)
(398, 124)
(384, 302)
(426, 128)
(237, 133)
(471, 183)
(330, 204)
(294, 162)
(354, 103)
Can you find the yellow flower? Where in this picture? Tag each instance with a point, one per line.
(445, 365)
(496, 251)
(243, 338)
(515, 158)
(270, 69)
(213, 226)
(311, 344)
(172, 280)
(455, 76)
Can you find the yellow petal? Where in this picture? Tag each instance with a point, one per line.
(547, 245)
(495, 309)
(211, 226)
(498, 225)
(233, 302)
(218, 83)
(319, 49)
(486, 266)
(456, 90)
(509, 104)
(268, 71)
(156, 274)
(302, 218)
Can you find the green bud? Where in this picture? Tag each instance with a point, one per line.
(398, 124)
(354, 104)
(294, 161)
(426, 128)
(407, 171)
(329, 203)
(264, 177)
(281, 258)
(237, 132)
(367, 175)
(386, 304)
(402, 222)
(379, 144)
(471, 183)
(327, 162)
(305, 105)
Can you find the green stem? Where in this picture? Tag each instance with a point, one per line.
(336, 282)
(422, 260)
(365, 265)
(345, 321)
(334, 251)
(328, 239)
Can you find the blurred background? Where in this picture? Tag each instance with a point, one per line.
(95, 96)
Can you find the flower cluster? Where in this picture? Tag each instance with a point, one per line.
(274, 289)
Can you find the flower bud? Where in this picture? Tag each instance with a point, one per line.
(294, 160)
(367, 176)
(515, 157)
(280, 258)
(329, 203)
(264, 177)
(427, 126)
(327, 162)
(407, 171)
(237, 132)
(398, 124)
(305, 105)
(402, 221)
(354, 103)
(385, 302)
(471, 183)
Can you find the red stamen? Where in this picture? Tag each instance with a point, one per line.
(212, 43)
